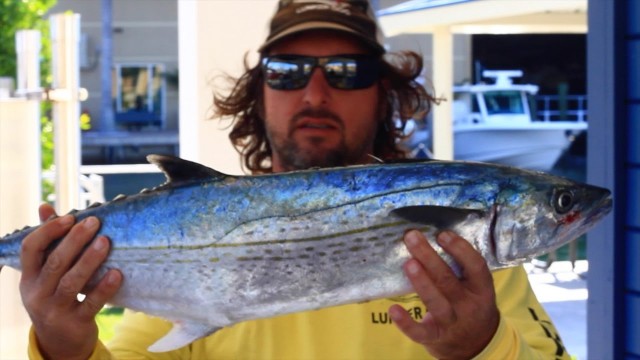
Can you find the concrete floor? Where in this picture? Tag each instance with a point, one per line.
(563, 293)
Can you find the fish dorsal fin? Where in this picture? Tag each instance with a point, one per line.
(178, 170)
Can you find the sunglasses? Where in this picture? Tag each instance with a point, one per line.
(344, 72)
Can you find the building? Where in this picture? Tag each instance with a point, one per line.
(144, 77)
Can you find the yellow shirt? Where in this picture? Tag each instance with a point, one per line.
(357, 331)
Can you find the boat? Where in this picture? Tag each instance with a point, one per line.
(493, 122)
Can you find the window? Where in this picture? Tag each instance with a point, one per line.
(139, 95)
(504, 102)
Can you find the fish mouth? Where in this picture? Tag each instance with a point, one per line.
(604, 206)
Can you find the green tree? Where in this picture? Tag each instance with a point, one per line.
(19, 15)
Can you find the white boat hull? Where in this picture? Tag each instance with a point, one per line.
(536, 146)
(494, 123)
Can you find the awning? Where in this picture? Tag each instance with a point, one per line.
(486, 16)
(443, 18)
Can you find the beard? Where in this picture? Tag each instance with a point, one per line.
(294, 156)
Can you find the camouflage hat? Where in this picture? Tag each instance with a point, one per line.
(350, 16)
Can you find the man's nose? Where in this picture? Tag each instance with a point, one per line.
(318, 91)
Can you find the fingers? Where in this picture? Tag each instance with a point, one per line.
(59, 260)
(34, 246)
(432, 279)
(54, 277)
(435, 272)
(462, 315)
(69, 267)
(422, 333)
(46, 212)
(100, 294)
(475, 273)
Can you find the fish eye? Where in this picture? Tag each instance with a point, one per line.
(563, 201)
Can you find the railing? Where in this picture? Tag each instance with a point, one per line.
(91, 189)
(554, 107)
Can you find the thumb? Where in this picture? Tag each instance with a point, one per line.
(46, 212)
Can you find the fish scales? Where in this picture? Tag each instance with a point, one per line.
(304, 240)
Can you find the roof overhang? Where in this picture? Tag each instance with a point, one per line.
(485, 16)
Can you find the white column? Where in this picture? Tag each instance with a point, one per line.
(20, 186)
(443, 86)
(65, 45)
(28, 45)
(20, 191)
(214, 37)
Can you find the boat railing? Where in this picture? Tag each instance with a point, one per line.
(555, 108)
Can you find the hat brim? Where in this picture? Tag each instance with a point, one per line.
(317, 25)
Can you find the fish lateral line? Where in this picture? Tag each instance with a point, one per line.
(266, 243)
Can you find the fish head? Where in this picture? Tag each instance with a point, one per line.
(542, 213)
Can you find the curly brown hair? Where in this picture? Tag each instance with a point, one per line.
(405, 99)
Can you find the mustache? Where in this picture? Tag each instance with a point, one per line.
(317, 113)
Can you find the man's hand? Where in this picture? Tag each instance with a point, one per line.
(50, 283)
(462, 315)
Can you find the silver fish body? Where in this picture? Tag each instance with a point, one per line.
(194, 248)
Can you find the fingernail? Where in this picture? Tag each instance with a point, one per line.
(99, 244)
(411, 238)
(90, 222)
(413, 268)
(66, 220)
(396, 313)
(445, 238)
(112, 278)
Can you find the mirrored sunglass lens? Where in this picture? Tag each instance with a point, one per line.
(286, 75)
(341, 73)
(347, 73)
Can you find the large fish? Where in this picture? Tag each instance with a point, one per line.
(193, 248)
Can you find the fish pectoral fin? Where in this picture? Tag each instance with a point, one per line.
(182, 334)
(441, 217)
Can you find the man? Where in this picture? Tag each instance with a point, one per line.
(321, 96)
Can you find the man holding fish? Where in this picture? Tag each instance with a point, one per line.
(325, 94)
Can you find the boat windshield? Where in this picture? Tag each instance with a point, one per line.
(504, 102)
